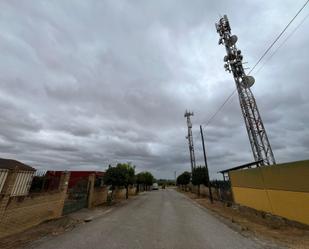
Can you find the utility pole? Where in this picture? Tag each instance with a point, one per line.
(205, 159)
(233, 63)
(190, 139)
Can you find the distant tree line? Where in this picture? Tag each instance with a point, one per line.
(123, 175)
(166, 182)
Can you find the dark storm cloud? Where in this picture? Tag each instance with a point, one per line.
(85, 84)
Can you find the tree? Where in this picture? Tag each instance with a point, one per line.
(144, 178)
(166, 182)
(130, 178)
(183, 179)
(140, 179)
(122, 175)
(199, 176)
(149, 179)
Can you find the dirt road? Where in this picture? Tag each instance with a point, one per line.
(158, 219)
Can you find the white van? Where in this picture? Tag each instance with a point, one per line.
(155, 186)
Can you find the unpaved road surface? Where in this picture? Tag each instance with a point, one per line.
(163, 219)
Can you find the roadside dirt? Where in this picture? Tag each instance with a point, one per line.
(52, 228)
(265, 229)
(55, 227)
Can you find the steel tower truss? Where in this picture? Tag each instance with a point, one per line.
(233, 63)
(190, 139)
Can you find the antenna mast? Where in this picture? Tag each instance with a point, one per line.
(190, 139)
(233, 63)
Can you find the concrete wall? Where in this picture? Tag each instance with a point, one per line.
(120, 194)
(132, 191)
(281, 189)
(18, 213)
(25, 212)
(99, 196)
(21, 212)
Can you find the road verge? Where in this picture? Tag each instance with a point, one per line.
(249, 222)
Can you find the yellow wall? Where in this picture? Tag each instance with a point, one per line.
(250, 197)
(281, 189)
(291, 205)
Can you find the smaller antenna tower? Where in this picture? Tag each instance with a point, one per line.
(190, 139)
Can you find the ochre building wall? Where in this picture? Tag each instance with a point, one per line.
(281, 189)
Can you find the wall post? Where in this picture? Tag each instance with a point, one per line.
(7, 190)
(63, 188)
(91, 180)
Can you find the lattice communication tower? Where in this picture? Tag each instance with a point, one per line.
(190, 139)
(233, 64)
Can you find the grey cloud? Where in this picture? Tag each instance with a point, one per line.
(84, 84)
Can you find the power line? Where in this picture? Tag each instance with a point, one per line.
(281, 45)
(263, 55)
(278, 37)
(219, 109)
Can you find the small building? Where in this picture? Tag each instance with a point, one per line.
(24, 176)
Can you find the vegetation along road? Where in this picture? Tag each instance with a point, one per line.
(156, 219)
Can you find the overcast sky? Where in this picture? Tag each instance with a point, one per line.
(84, 84)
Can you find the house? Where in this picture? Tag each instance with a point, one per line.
(24, 175)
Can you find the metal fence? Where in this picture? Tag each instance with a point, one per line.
(77, 196)
(224, 190)
(44, 181)
(99, 181)
(22, 183)
(3, 176)
(41, 172)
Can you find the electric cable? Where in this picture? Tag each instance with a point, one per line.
(278, 37)
(281, 45)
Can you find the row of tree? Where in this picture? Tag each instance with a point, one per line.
(199, 176)
(123, 175)
(145, 180)
(166, 182)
